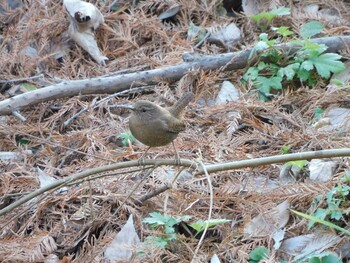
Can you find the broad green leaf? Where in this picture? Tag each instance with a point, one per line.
(251, 74)
(307, 65)
(310, 29)
(266, 84)
(303, 74)
(327, 63)
(289, 71)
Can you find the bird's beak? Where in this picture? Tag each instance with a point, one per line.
(129, 107)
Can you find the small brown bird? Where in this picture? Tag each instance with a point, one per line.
(154, 125)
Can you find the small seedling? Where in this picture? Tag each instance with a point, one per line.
(337, 203)
(200, 225)
(264, 19)
(167, 223)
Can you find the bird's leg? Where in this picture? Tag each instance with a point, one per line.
(141, 160)
(177, 156)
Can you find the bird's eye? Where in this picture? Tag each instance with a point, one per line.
(143, 110)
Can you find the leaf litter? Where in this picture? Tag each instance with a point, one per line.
(69, 223)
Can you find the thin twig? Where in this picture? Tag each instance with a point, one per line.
(99, 176)
(154, 193)
(19, 116)
(344, 152)
(98, 103)
(84, 174)
(202, 40)
(126, 199)
(211, 195)
(55, 144)
(123, 71)
(20, 79)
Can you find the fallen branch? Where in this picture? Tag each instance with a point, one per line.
(113, 84)
(184, 163)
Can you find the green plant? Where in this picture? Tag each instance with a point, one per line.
(275, 68)
(318, 112)
(167, 223)
(337, 201)
(200, 225)
(285, 149)
(258, 254)
(325, 257)
(126, 138)
(264, 19)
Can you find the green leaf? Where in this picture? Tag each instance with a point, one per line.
(310, 29)
(157, 241)
(318, 112)
(283, 31)
(337, 82)
(300, 163)
(126, 138)
(303, 74)
(280, 11)
(323, 222)
(265, 84)
(200, 225)
(307, 65)
(261, 45)
(285, 149)
(22, 141)
(262, 65)
(258, 254)
(325, 257)
(319, 213)
(289, 71)
(251, 74)
(328, 63)
(336, 215)
(195, 32)
(158, 219)
(29, 86)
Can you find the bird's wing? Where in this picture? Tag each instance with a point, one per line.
(172, 124)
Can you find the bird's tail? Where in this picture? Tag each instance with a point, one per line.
(179, 106)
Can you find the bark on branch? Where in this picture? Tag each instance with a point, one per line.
(113, 84)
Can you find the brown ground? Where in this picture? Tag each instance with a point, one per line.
(138, 38)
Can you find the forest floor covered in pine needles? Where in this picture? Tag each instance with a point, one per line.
(66, 225)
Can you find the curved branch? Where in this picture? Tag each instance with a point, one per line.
(185, 163)
(113, 84)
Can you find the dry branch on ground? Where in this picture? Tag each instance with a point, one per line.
(68, 222)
